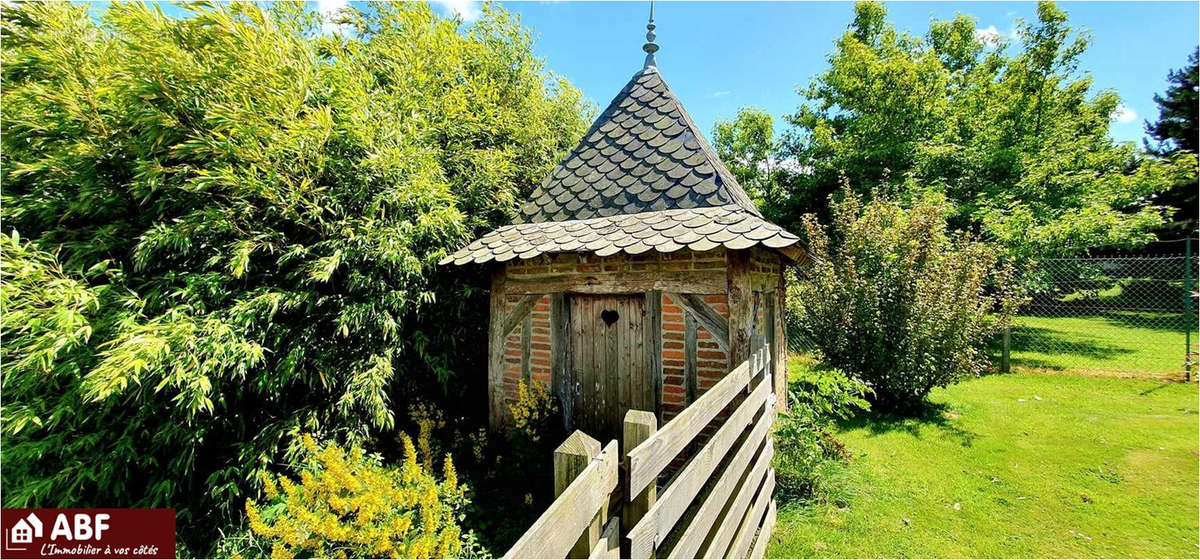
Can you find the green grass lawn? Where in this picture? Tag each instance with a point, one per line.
(1140, 344)
(1018, 465)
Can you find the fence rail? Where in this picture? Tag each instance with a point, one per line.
(718, 504)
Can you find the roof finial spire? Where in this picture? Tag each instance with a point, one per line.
(650, 47)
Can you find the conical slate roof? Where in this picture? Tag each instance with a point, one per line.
(642, 154)
(643, 178)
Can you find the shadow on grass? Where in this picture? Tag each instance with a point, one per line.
(1116, 318)
(1136, 300)
(937, 415)
(1156, 388)
(1027, 338)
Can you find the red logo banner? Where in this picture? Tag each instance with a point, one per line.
(88, 533)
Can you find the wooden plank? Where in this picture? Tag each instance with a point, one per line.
(519, 312)
(638, 426)
(702, 522)
(609, 545)
(571, 458)
(496, 334)
(690, 481)
(697, 282)
(764, 533)
(559, 527)
(649, 458)
(560, 361)
(689, 358)
(652, 339)
(751, 523)
(611, 366)
(740, 301)
(718, 542)
(587, 363)
(526, 335)
(580, 354)
(643, 386)
(713, 321)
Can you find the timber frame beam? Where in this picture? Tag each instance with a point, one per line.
(713, 322)
(701, 282)
(519, 312)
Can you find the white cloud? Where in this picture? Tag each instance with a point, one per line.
(1123, 114)
(329, 12)
(990, 35)
(466, 10)
(721, 93)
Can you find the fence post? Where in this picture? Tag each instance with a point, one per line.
(639, 426)
(1005, 362)
(570, 458)
(1188, 322)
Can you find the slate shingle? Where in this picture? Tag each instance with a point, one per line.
(643, 143)
(664, 231)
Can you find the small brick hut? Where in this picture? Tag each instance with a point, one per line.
(639, 273)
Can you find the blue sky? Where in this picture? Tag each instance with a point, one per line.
(719, 56)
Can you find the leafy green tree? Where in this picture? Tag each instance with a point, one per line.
(228, 229)
(748, 147)
(1007, 130)
(1176, 133)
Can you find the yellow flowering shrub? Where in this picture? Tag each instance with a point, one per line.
(346, 504)
(533, 410)
(427, 418)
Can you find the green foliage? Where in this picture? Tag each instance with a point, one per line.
(1177, 132)
(748, 147)
(894, 300)
(233, 224)
(346, 504)
(804, 440)
(1006, 130)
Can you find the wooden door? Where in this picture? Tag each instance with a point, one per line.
(609, 362)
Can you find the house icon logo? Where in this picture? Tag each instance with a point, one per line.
(24, 531)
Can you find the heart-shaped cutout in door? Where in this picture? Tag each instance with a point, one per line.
(609, 316)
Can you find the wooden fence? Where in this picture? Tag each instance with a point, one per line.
(718, 504)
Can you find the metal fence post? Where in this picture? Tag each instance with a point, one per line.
(1188, 320)
(1005, 362)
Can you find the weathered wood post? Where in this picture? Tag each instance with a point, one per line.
(639, 426)
(740, 300)
(574, 455)
(496, 406)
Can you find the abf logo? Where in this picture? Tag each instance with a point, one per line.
(79, 527)
(26, 529)
(63, 533)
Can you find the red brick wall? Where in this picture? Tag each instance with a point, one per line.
(711, 362)
(539, 347)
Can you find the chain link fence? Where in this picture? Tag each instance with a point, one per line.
(1126, 315)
